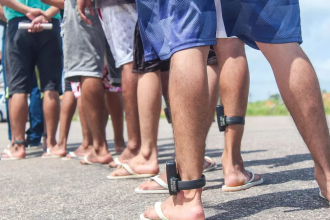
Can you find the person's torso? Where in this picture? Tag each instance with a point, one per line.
(11, 13)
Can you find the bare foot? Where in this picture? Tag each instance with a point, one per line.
(323, 181)
(152, 185)
(127, 154)
(102, 157)
(58, 150)
(139, 165)
(119, 145)
(236, 175)
(15, 150)
(185, 205)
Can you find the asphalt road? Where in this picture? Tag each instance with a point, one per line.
(35, 188)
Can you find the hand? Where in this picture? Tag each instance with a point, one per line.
(36, 24)
(82, 5)
(34, 12)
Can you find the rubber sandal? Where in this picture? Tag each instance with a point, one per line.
(158, 209)
(10, 157)
(72, 156)
(154, 191)
(50, 155)
(132, 174)
(87, 162)
(247, 185)
(212, 165)
(116, 160)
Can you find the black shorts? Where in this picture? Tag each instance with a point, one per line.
(24, 51)
(67, 86)
(140, 66)
(139, 63)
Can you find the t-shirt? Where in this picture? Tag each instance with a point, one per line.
(106, 3)
(11, 13)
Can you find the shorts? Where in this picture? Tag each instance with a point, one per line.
(168, 26)
(139, 63)
(141, 66)
(67, 86)
(265, 21)
(83, 44)
(24, 51)
(114, 73)
(119, 23)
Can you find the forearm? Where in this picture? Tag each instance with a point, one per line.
(51, 12)
(2, 15)
(56, 3)
(17, 6)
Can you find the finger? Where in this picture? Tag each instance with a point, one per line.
(83, 16)
(91, 10)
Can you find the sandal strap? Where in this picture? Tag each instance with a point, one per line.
(159, 181)
(127, 168)
(158, 209)
(252, 178)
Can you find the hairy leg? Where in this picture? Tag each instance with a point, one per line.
(92, 97)
(189, 100)
(299, 87)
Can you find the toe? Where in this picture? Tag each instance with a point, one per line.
(151, 214)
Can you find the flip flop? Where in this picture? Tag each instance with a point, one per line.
(212, 165)
(247, 185)
(132, 174)
(158, 209)
(87, 162)
(50, 156)
(116, 153)
(155, 191)
(116, 160)
(11, 156)
(72, 156)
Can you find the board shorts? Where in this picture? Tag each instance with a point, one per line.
(83, 44)
(108, 87)
(141, 66)
(118, 23)
(265, 21)
(24, 51)
(168, 26)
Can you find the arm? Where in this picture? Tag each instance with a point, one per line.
(2, 15)
(51, 12)
(56, 3)
(42, 19)
(17, 6)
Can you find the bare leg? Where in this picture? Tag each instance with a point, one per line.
(149, 104)
(68, 108)
(189, 99)
(92, 97)
(234, 90)
(18, 116)
(299, 87)
(51, 108)
(213, 79)
(129, 88)
(115, 108)
(165, 76)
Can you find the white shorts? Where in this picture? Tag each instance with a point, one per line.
(221, 31)
(119, 24)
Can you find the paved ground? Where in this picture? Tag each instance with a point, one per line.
(54, 189)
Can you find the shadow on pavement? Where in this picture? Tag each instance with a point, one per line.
(294, 200)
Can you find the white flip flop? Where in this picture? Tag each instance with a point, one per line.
(155, 191)
(10, 156)
(158, 209)
(87, 162)
(212, 166)
(116, 160)
(50, 156)
(132, 175)
(73, 156)
(247, 185)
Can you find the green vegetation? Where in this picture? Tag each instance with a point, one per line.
(275, 106)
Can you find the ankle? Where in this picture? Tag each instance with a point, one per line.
(133, 146)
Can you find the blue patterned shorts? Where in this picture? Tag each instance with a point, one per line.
(168, 26)
(265, 21)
